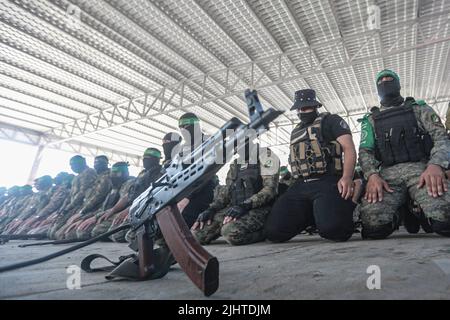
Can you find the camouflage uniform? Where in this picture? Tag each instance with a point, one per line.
(15, 207)
(250, 227)
(403, 178)
(142, 182)
(36, 202)
(112, 198)
(58, 195)
(81, 185)
(93, 200)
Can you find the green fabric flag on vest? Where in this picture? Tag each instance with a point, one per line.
(367, 134)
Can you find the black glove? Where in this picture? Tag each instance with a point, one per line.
(239, 210)
(206, 215)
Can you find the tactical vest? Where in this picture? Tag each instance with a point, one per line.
(398, 137)
(246, 182)
(310, 155)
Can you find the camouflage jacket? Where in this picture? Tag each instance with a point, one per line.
(58, 195)
(98, 192)
(269, 166)
(36, 203)
(115, 194)
(143, 181)
(427, 120)
(81, 185)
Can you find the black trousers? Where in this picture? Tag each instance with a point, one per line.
(307, 203)
(198, 203)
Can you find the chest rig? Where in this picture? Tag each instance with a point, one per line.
(398, 136)
(310, 155)
(246, 181)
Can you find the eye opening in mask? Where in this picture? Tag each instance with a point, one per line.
(385, 79)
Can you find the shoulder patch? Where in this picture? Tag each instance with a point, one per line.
(344, 124)
(268, 163)
(421, 102)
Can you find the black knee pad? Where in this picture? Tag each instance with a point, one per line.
(378, 232)
(441, 228)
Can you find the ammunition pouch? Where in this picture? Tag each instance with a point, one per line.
(310, 155)
(398, 136)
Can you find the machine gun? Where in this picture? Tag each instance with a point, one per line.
(155, 212)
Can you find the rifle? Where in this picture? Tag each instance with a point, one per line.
(154, 212)
(4, 238)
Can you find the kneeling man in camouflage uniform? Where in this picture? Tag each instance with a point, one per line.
(239, 209)
(404, 151)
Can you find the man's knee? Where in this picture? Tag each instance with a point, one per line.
(337, 234)
(275, 235)
(201, 237)
(377, 232)
(440, 227)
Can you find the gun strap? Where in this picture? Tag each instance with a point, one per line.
(87, 261)
(50, 242)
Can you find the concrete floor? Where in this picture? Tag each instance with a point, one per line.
(412, 267)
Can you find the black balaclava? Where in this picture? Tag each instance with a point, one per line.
(389, 91)
(43, 183)
(308, 117)
(170, 141)
(78, 164)
(13, 191)
(119, 174)
(26, 190)
(189, 125)
(101, 164)
(151, 158)
(60, 178)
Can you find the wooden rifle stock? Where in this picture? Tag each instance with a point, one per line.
(200, 266)
(146, 259)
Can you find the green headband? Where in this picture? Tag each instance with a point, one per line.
(284, 170)
(122, 168)
(187, 121)
(152, 153)
(77, 159)
(387, 73)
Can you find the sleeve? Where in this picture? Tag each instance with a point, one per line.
(56, 201)
(441, 143)
(222, 194)
(85, 184)
(336, 127)
(100, 192)
(367, 161)
(270, 173)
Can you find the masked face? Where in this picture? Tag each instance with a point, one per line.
(308, 117)
(150, 162)
(388, 88)
(192, 134)
(170, 149)
(118, 178)
(100, 165)
(77, 167)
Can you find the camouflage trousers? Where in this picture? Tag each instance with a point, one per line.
(246, 230)
(56, 231)
(110, 224)
(403, 178)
